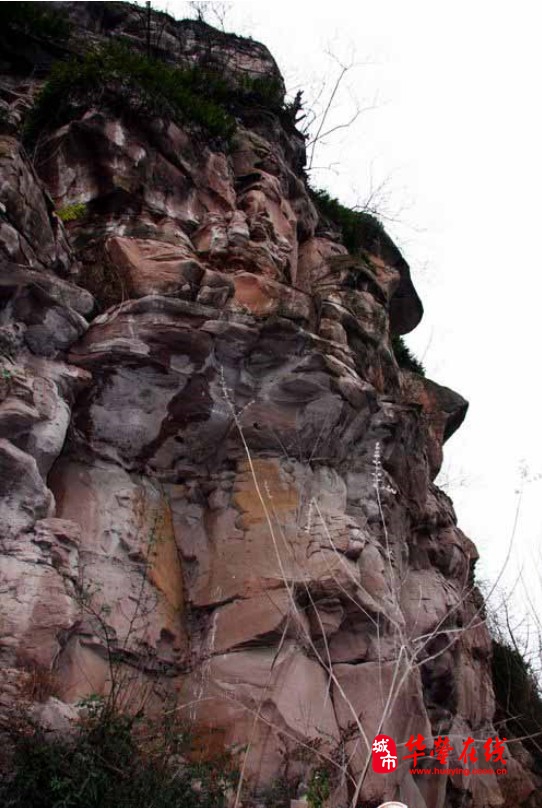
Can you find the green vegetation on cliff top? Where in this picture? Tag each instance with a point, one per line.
(123, 78)
(34, 20)
(361, 231)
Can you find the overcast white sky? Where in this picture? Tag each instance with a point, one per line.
(456, 136)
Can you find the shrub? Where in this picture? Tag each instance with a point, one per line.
(262, 90)
(404, 356)
(518, 698)
(319, 788)
(360, 230)
(123, 78)
(120, 77)
(40, 682)
(31, 18)
(111, 762)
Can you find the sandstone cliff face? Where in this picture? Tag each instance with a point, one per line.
(210, 463)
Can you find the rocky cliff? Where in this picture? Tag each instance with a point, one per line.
(213, 470)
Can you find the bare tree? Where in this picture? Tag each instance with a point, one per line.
(211, 12)
(153, 24)
(320, 111)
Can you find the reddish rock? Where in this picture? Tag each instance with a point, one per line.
(218, 474)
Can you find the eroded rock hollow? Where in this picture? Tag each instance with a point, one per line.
(211, 464)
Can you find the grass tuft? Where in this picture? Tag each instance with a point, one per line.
(404, 356)
(69, 213)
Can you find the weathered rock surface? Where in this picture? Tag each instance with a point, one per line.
(219, 459)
